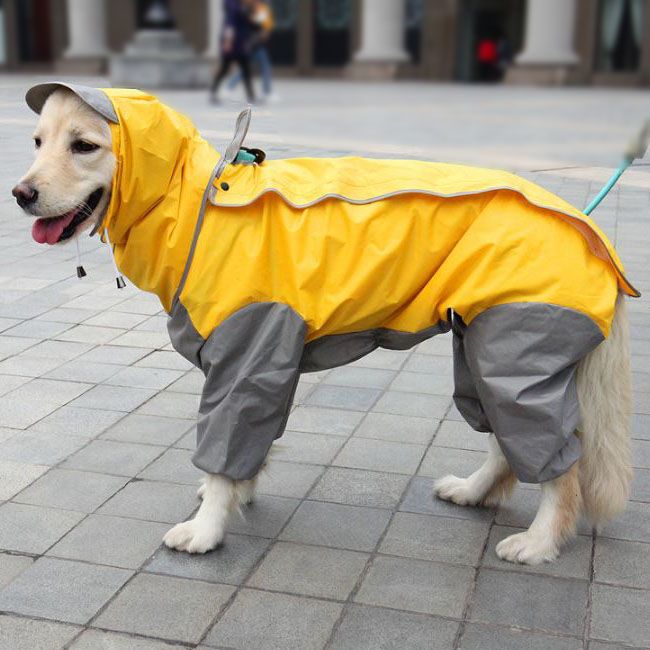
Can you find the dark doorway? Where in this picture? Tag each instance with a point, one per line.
(332, 32)
(490, 33)
(33, 19)
(283, 44)
(413, 32)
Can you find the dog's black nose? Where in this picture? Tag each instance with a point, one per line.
(25, 194)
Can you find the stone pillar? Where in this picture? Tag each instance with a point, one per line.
(548, 57)
(214, 22)
(87, 49)
(382, 40)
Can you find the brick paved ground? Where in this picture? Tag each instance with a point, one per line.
(344, 548)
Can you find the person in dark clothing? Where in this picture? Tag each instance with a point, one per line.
(235, 47)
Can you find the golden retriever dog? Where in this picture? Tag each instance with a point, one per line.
(69, 184)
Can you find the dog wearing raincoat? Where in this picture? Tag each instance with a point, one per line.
(274, 268)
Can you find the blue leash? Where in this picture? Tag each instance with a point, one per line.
(596, 201)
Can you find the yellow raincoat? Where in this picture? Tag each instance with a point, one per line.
(303, 264)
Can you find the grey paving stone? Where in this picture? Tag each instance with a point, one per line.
(60, 350)
(419, 498)
(620, 614)
(429, 364)
(460, 436)
(148, 429)
(83, 370)
(157, 378)
(574, 560)
(70, 592)
(312, 448)
(641, 426)
(115, 541)
(9, 382)
(229, 564)
(357, 487)
(439, 462)
(89, 334)
(257, 621)
(40, 448)
(157, 606)
(632, 525)
(370, 628)
(27, 634)
(16, 476)
(397, 428)
(111, 457)
(310, 419)
(24, 365)
(117, 319)
(163, 359)
(152, 501)
(359, 377)
(148, 340)
(385, 359)
(11, 566)
(172, 405)
(118, 355)
(413, 404)
(98, 640)
(114, 398)
(188, 440)
(32, 529)
(641, 453)
(309, 571)
(380, 455)
(442, 539)
(498, 638)
(71, 490)
(416, 586)
(174, 466)
(191, 382)
(441, 344)
(72, 421)
(414, 382)
(339, 526)
(354, 399)
(265, 517)
(641, 485)
(288, 479)
(622, 563)
(530, 601)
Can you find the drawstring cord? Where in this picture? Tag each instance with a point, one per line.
(81, 272)
(119, 279)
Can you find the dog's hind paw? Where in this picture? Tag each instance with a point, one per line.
(527, 548)
(457, 490)
(193, 536)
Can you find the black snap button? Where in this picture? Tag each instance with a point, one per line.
(225, 187)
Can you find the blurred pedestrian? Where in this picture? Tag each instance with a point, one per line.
(487, 57)
(235, 47)
(261, 21)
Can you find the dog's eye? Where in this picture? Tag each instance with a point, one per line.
(81, 146)
(37, 142)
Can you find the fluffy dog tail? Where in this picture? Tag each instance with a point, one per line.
(605, 395)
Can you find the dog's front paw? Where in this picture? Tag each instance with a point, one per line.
(452, 488)
(194, 536)
(527, 548)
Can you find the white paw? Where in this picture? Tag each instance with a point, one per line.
(527, 548)
(452, 488)
(194, 536)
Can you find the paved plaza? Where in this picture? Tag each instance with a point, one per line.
(344, 547)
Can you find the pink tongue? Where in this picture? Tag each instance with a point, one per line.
(50, 230)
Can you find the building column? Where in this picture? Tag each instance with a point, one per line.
(382, 40)
(87, 49)
(548, 56)
(215, 23)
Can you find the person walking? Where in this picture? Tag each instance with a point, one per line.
(235, 47)
(261, 23)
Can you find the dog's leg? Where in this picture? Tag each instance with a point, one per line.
(554, 523)
(206, 530)
(244, 491)
(489, 485)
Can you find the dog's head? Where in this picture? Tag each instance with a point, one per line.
(68, 186)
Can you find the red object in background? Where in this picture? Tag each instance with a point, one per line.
(487, 51)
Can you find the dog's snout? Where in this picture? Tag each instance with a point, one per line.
(25, 194)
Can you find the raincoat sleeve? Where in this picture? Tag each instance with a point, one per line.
(522, 359)
(251, 366)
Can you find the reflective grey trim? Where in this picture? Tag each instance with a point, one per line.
(95, 98)
(339, 349)
(523, 358)
(251, 366)
(184, 336)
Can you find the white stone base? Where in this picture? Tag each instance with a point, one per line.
(371, 70)
(541, 75)
(159, 59)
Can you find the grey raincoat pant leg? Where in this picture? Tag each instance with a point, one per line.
(514, 370)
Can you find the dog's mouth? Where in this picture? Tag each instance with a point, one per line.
(51, 230)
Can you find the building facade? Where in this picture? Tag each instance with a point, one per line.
(539, 41)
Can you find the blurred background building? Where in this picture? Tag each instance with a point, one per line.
(520, 41)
